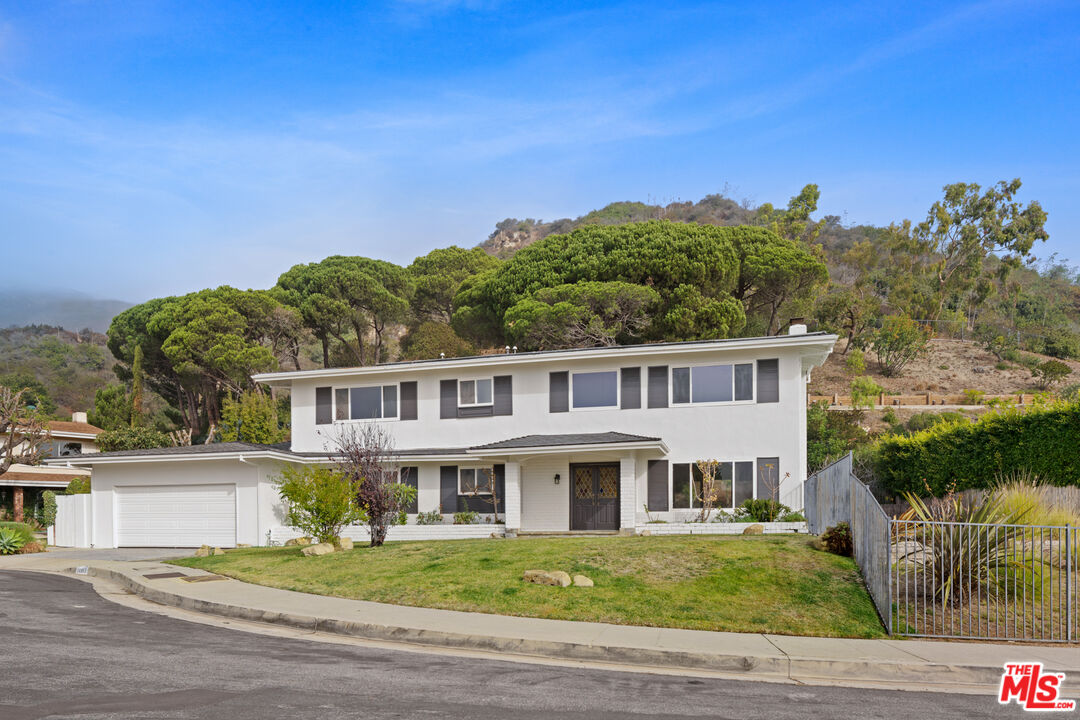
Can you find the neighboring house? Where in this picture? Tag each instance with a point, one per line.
(570, 440)
(22, 485)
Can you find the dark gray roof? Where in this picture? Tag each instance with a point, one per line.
(523, 442)
(533, 441)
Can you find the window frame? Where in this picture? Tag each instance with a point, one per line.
(617, 405)
(382, 403)
(474, 469)
(690, 390)
(733, 461)
(489, 378)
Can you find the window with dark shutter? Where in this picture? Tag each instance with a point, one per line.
(448, 486)
(658, 386)
(408, 401)
(768, 381)
(630, 392)
(768, 478)
(448, 399)
(504, 395)
(658, 485)
(409, 476)
(559, 392)
(324, 406)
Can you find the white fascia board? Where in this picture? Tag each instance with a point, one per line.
(61, 484)
(73, 435)
(128, 459)
(658, 446)
(816, 345)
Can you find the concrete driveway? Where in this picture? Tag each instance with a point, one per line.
(64, 558)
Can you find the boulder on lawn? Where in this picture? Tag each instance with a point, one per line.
(755, 529)
(301, 541)
(318, 549)
(343, 543)
(582, 581)
(543, 577)
(203, 551)
(242, 545)
(217, 551)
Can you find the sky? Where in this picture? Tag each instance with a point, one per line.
(151, 148)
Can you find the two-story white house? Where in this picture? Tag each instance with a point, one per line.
(568, 440)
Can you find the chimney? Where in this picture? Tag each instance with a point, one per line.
(79, 417)
(796, 326)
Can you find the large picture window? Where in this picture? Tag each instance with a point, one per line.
(366, 403)
(595, 389)
(712, 383)
(734, 485)
(475, 393)
(476, 481)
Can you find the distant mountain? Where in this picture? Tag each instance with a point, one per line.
(64, 308)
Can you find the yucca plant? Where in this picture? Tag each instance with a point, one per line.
(971, 553)
(11, 541)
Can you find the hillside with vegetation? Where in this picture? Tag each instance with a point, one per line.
(958, 299)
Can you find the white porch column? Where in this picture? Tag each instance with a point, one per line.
(627, 493)
(512, 491)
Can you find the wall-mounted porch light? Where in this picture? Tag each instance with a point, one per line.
(556, 478)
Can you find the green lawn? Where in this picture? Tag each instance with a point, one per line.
(775, 584)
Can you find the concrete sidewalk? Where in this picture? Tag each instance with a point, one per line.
(907, 664)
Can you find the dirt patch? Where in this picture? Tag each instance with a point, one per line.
(952, 366)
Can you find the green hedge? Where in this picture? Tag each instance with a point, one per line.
(1044, 440)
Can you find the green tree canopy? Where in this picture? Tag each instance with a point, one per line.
(36, 396)
(583, 314)
(346, 298)
(438, 277)
(693, 268)
(112, 408)
(253, 417)
(430, 339)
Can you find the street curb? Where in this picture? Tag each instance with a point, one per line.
(773, 667)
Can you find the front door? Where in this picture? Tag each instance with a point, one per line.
(594, 497)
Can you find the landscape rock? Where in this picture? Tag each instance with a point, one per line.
(298, 541)
(755, 529)
(646, 533)
(343, 543)
(543, 577)
(318, 549)
(242, 545)
(203, 551)
(217, 551)
(582, 581)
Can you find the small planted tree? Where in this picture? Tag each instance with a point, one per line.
(23, 433)
(366, 458)
(897, 342)
(710, 489)
(483, 487)
(321, 500)
(48, 508)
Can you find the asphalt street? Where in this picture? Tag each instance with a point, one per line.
(66, 652)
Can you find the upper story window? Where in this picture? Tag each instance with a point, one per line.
(595, 389)
(475, 393)
(366, 403)
(712, 383)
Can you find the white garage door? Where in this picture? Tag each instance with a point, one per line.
(176, 516)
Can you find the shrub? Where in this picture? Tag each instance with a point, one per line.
(1041, 503)
(856, 362)
(793, 516)
(1003, 366)
(321, 501)
(897, 342)
(994, 341)
(865, 392)
(1041, 439)
(1058, 343)
(763, 509)
(1050, 373)
(837, 540)
(973, 397)
(11, 541)
(23, 529)
(1029, 361)
(923, 420)
(136, 438)
(429, 518)
(889, 417)
(48, 508)
(831, 434)
(1070, 392)
(78, 486)
(466, 517)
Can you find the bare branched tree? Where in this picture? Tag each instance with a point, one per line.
(23, 434)
(367, 458)
(485, 489)
(710, 489)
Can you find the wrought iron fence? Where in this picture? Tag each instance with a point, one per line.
(953, 579)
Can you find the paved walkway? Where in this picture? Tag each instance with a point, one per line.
(960, 666)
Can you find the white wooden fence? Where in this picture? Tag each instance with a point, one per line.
(73, 522)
